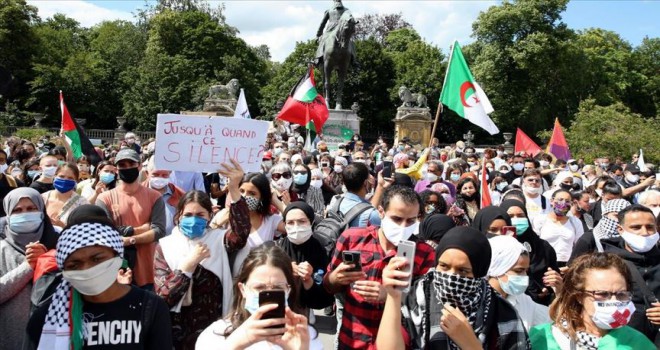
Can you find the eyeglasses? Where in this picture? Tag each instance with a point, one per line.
(260, 287)
(604, 295)
(277, 176)
(300, 172)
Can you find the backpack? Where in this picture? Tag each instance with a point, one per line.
(328, 230)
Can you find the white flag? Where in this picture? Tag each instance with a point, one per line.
(242, 110)
(640, 161)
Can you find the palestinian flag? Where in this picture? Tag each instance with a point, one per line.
(75, 136)
(305, 106)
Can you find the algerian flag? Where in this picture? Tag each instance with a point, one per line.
(462, 94)
(242, 107)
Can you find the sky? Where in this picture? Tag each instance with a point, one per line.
(280, 24)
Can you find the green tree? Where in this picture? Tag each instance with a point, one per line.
(644, 93)
(379, 26)
(598, 131)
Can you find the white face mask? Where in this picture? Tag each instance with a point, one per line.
(283, 184)
(632, 178)
(573, 167)
(640, 244)
(518, 166)
(338, 169)
(49, 171)
(431, 177)
(395, 233)
(532, 190)
(158, 182)
(3, 168)
(656, 211)
(544, 163)
(316, 183)
(605, 311)
(94, 280)
(298, 234)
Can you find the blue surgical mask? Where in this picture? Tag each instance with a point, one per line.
(26, 222)
(501, 185)
(455, 177)
(252, 301)
(193, 226)
(33, 173)
(521, 224)
(107, 178)
(64, 185)
(300, 179)
(516, 285)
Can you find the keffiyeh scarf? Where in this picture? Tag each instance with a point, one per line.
(60, 332)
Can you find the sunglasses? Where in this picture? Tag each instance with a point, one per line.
(300, 172)
(277, 176)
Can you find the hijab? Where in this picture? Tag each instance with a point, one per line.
(311, 251)
(435, 226)
(471, 242)
(506, 251)
(487, 215)
(20, 240)
(304, 187)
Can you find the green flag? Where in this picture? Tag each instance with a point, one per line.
(463, 95)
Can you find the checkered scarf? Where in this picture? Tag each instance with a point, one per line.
(57, 330)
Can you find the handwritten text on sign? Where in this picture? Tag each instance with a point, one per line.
(200, 144)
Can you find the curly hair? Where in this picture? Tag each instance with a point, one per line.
(569, 302)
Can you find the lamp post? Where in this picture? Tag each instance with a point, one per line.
(468, 139)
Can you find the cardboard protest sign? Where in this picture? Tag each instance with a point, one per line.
(188, 143)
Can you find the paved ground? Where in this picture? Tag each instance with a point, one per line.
(327, 327)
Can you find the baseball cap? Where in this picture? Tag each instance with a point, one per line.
(127, 154)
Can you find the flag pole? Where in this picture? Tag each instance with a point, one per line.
(435, 123)
(440, 108)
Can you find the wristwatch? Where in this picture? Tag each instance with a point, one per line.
(132, 241)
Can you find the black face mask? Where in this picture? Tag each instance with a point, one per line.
(566, 187)
(129, 175)
(473, 197)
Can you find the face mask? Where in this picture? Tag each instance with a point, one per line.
(338, 169)
(504, 171)
(291, 145)
(431, 177)
(83, 167)
(298, 234)
(49, 171)
(94, 280)
(283, 184)
(252, 301)
(632, 178)
(656, 211)
(107, 178)
(193, 226)
(489, 169)
(455, 177)
(544, 163)
(3, 167)
(63, 185)
(316, 183)
(130, 141)
(516, 284)
(26, 222)
(158, 182)
(129, 175)
(604, 165)
(300, 179)
(40, 144)
(470, 164)
(16, 172)
(430, 209)
(500, 153)
(268, 163)
(532, 190)
(502, 185)
(566, 187)
(252, 203)
(443, 157)
(33, 173)
(561, 209)
(395, 233)
(612, 314)
(518, 166)
(573, 167)
(324, 165)
(360, 161)
(277, 151)
(640, 244)
(521, 224)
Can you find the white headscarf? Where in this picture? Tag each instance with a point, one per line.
(506, 251)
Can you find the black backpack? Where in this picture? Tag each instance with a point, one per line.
(328, 230)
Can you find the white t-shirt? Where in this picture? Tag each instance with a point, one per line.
(212, 338)
(531, 313)
(264, 234)
(535, 209)
(561, 237)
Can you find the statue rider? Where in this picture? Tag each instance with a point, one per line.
(328, 25)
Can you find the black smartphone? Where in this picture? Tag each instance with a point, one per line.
(273, 297)
(387, 169)
(352, 257)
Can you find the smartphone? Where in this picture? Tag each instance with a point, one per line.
(406, 250)
(387, 169)
(124, 264)
(273, 297)
(352, 257)
(509, 231)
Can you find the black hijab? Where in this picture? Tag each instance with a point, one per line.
(471, 242)
(435, 226)
(487, 215)
(302, 189)
(541, 255)
(310, 251)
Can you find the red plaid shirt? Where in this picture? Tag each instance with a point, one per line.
(360, 321)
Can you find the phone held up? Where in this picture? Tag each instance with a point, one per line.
(406, 250)
(352, 257)
(273, 297)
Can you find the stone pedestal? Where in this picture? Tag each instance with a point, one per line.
(414, 123)
(220, 107)
(341, 125)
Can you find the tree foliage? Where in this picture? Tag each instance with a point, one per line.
(378, 26)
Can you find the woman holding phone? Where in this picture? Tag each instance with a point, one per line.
(266, 269)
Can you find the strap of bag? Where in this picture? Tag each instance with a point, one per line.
(355, 212)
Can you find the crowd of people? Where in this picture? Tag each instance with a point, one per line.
(392, 240)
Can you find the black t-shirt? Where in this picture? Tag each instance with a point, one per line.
(41, 187)
(139, 320)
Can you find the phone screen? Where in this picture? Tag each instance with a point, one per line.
(387, 169)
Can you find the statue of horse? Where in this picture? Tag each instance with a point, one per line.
(338, 53)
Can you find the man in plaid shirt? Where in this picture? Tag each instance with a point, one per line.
(363, 291)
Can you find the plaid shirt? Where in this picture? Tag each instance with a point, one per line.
(361, 319)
